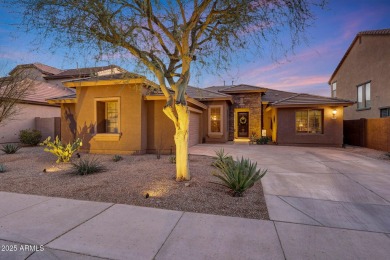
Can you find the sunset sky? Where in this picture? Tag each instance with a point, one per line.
(307, 70)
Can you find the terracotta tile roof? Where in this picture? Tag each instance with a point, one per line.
(71, 96)
(45, 69)
(43, 91)
(205, 94)
(375, 32)
(83, 72)
(236, 88)
(380, 32)
(273, 95)
(307, 99)
(124, 76)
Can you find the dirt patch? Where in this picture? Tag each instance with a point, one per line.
(128, 181)
(376, 154)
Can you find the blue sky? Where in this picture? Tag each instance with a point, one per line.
(306, 70)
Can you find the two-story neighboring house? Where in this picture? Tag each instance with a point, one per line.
(363, 75)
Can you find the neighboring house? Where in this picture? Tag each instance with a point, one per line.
(363, 76)
(34, 110)
(122, 113)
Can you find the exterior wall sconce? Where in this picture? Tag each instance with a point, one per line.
(334, 112)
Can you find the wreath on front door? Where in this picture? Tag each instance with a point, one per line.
(243, 120)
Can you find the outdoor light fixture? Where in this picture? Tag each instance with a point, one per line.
(334, 112)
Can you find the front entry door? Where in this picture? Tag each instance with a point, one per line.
(243, 124)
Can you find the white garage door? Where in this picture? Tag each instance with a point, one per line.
(194, 129)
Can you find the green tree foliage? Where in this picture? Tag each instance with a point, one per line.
(62, 151)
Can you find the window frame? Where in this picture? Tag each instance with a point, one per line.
(308, 121)
(108, 99)
(364, 96)
(384, 108)
(209, 119)
(333, 89)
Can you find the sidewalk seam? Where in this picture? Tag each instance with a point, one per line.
(26, 207)
(158, 251)
(80, 224)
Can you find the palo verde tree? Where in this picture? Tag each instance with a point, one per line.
(168, 36)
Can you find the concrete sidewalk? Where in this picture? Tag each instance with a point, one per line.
(73, 229)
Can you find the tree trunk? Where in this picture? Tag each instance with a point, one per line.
(181, 141)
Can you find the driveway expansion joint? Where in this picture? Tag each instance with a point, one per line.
(281, 197)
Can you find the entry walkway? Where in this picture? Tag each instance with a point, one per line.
(323, 203)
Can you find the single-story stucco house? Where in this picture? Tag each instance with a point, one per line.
(122, 113)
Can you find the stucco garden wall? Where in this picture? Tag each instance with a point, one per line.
(9, 133)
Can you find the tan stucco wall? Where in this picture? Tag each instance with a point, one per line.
(368, 60)
(267, 117)
(132, 127)
(9, 133)
(68, 123)
(212, 138)
(160, 129)
(332, 135)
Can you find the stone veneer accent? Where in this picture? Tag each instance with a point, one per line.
(252, 101)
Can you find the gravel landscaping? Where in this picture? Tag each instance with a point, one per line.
(33, 171)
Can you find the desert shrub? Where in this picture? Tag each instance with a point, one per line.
(172, 159)
(2, 168)
(239, 175)
(222, 158)
(117, 158)
(387, 155)
(263, 140)
(30, 137)
(63, 152)
(88, 166)
(10, 148)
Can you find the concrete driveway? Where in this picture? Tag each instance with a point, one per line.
(324, 201)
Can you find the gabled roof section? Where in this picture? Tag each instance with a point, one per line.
(273, 95)
(45, 69)
(206, 95)
(381, 32)
(111, 79)
(39, 92)
(308, 99)
(242, 88)
(86, 72)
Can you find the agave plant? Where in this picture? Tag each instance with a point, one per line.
(10, 148)
(2, 168)
(239, 175)
(222, 158)
(88, 166)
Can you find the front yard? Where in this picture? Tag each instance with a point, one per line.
(33, 171)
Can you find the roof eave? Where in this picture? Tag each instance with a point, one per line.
(243, 91)
(97, 82)
(62, 101)
(345, 104)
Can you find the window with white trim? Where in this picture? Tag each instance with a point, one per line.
(364, 96)
(107, 116)
(309, 121)
(334, 86)
(215, 119)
